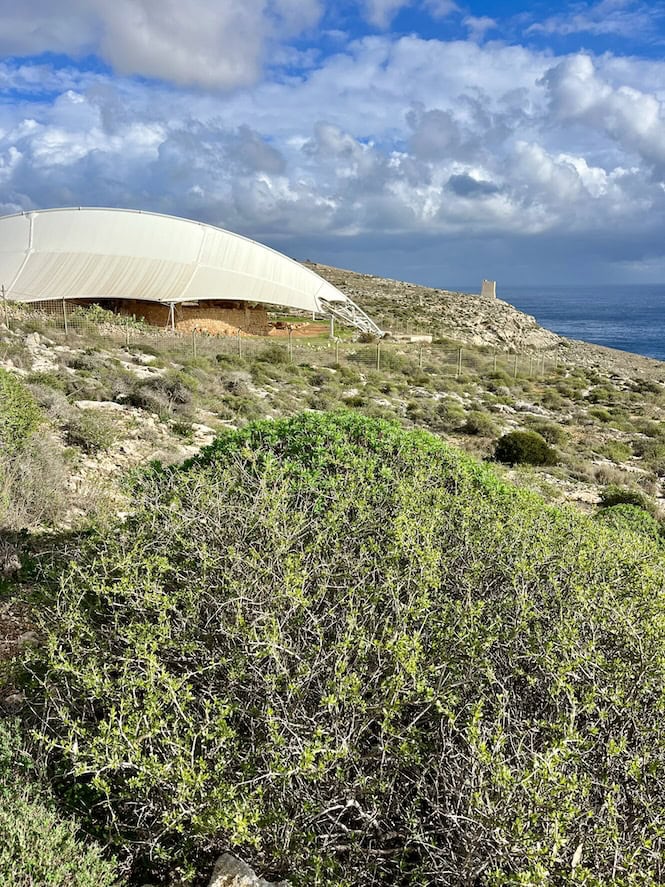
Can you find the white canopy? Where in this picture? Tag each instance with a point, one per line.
(95, 253)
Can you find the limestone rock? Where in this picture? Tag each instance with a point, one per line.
(464, 317)
(232, 872)
(535, 409)
(100, 405)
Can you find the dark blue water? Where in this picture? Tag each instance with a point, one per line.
(628, 317)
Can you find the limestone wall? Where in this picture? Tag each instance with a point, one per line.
(210, 317)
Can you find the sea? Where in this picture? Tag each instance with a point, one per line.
(629, 317)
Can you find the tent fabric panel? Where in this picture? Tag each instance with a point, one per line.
(210, 283)
(105, 253)
(15, 237)
(114, 233)
(10, 265)
(223, 249)
(72, 275)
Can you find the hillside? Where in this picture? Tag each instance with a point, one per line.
(237, 636)
(400, 306)
(464, 317)
(112, 398)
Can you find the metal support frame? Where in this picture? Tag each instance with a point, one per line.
(350, 313)
(4, 305)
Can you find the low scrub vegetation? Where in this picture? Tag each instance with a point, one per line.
(19, 413)
(32, 470)
(350, 654)
(37, 846)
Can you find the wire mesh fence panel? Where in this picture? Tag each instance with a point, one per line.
(81, 325)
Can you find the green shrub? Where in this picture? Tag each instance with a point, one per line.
(231, 360)
(650, 428)
(19, 413)
(354, 400)
(601, 414)
(38, 847)
(52, 379)
(616, 450)
(552, 399)
(616, 495)
(90, 430)
(274, 353)
(33, 484)
(649, 449)
(499, 379)
(353, 656)
(630, 517)
(449, 415)
(480, 423)
(238, 383)
(184, 430)
(524, 448)
(551, 432)
(602, 394)
(88, 361)
(163, 394)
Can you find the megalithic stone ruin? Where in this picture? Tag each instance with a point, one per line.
(489, 289)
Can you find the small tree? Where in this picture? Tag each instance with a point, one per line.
(524, 448)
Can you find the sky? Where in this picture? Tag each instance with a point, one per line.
(435, 141)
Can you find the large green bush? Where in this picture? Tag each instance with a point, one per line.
(524, 448)
(38, 848)
(351, 655)
(630, 517)
(613, 494)
(19, 414)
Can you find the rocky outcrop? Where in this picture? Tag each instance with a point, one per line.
(232, 872)
(461, 316)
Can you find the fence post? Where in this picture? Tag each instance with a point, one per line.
(194, 343)
(459, 363)
(515, 367)
(542, 371)
(127, 331)
(4, 305)
(378, 354)
(291, 344)
(64, 318)
(336, 350)
(239, 344)
(420, 358)
(494, 361)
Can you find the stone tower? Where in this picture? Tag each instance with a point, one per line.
(489, 289)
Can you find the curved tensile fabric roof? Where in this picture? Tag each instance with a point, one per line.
(128, 254)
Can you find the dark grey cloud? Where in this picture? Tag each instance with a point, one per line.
(467, 186)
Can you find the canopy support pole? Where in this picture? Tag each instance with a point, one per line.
(4, 305)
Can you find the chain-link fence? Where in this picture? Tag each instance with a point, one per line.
(81, 325)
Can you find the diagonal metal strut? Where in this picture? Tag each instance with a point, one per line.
(349, 312)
